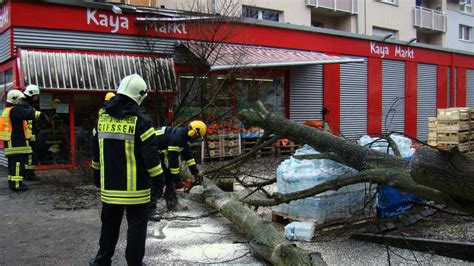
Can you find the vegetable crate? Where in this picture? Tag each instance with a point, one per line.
(220, 145)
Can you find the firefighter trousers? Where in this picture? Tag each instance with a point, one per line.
(32, 159)
(16, 170)
(166, 183)
(137, 219)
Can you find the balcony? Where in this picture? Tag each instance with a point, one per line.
(335, 7)
(429, 20)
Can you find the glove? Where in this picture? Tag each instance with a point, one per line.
(96, 177)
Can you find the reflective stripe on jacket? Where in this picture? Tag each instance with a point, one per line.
(125, 153)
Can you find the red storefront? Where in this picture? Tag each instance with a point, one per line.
(388, 84)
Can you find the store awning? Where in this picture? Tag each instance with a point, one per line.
(227, 56)
(79, 71)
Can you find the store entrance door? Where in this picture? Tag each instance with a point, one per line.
(53, 142)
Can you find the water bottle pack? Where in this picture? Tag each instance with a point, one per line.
(295, 175)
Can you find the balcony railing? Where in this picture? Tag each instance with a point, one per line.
(347, 6)
(430, 19)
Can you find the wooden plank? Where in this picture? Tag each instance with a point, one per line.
(453, 126)
(458, 250)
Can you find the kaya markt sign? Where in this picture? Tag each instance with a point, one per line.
(120, 23)
(398, 51)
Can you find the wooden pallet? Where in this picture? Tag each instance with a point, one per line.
(453, 137)
(453, 126)
(324, 225)
(285, 149)
(462, 147)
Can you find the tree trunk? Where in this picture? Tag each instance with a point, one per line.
(445, 177)
(268, 242)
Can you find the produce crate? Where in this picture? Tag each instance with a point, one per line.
(453, 126)
(453, 137)
(432, 135)
(454, 114)
(221, 145)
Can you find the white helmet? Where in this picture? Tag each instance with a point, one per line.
(14, 96)
(31, 90)
(134, 87)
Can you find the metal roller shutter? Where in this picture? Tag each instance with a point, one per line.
(470, 87)
(393, 96)
(354, 100)
(426, 98)
(5, 51)
(455, 89)
(306, 93)
(78, 40)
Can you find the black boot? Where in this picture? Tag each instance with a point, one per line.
(20, 187)
(172, 203)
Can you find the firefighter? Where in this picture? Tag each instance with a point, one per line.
(32, 97)
(15, 134)
(95, 165)
(173, 142)
(125, 158)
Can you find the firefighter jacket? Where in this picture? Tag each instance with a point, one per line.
(125, 153)
(14, 130)
(32, 126)
(173, 142)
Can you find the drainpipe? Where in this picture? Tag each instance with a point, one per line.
(213, 7)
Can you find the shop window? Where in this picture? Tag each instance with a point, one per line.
(53, 141)
(268, 90)
(224, 97)
(262, 14)
(465, 6)
(465, 33)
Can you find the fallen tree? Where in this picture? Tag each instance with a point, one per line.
(268, 242)
(442, 176)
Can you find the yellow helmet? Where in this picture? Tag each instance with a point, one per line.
(109, 96)
(198, 128)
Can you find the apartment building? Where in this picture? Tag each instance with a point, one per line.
(360, 84)
(445, 23)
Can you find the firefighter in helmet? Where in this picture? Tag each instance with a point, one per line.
(125, 158)
(174, 142)
(31, 100)
(15, 134)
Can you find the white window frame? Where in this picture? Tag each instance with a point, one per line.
(462, 32)
(390, 2)
(465, 6)
(260, 12)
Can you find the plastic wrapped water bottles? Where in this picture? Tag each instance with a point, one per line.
(299, 231)
(295, 175)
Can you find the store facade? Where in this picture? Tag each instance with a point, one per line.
(367, 86)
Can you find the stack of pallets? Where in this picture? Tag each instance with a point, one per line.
(453, 128)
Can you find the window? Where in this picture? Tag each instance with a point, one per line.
(465, 33)
(263, 14)
(465, 6)
(392, 34)
(393, 2)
